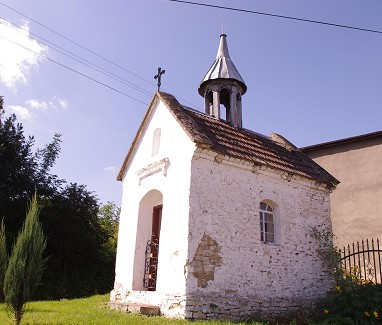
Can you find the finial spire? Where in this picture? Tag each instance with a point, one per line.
(223, 85)
(223, 48)
(223, 28)
(222, 68)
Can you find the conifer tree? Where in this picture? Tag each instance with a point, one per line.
(3, 258)
(26, 263)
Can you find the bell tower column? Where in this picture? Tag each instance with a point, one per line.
(233, 112)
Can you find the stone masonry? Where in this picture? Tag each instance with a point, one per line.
(232, 274)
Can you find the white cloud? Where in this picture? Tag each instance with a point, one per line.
(21, 112)
(15, 61)
(56, 104)
(63, 103)
(111, 169)
(34, 103)
(32, 106)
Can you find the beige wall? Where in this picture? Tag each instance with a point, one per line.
(356, 204)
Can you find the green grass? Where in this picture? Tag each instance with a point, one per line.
(91, 310)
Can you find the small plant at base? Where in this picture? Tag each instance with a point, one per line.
(354, 300)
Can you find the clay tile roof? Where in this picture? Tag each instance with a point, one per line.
(220, 136)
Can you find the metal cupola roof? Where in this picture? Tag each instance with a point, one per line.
(222, 68)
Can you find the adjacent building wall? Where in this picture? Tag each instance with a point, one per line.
(231, 273)
(356, 204)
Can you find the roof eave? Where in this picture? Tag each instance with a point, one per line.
(334, 143)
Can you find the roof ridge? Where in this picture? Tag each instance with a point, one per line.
(240, 143)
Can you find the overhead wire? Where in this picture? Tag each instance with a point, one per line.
(72, 69)
(278, 16)
(79, 59)
(78, 44)
(88, 50)
(178, 1)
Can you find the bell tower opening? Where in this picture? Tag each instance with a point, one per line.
(225, 108)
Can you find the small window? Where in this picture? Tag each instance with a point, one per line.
(267, 224)
(156, 142)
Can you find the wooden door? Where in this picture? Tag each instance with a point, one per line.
(153, 263)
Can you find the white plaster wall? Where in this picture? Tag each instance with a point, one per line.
(226, 207)
(174, 186)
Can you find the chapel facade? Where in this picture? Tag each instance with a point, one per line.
(218, 221)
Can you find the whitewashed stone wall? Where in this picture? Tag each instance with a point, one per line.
(231, 273)
(145, 174)
(212, 263)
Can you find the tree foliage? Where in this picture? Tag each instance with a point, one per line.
(108, 216)
(22, 172)
(3, 258)
(79, 263)
(26, 263)
(81, 256)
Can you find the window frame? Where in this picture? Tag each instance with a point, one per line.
(267, 222)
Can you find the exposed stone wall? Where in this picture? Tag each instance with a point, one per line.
(250, 277)
(234, 308)
(205, 261)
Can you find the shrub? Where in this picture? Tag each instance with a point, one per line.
(354, 301)
(26, 263)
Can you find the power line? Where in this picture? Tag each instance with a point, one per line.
(79, 59)
(279, 16)
(73, 42)
(90, 51)
(73, 70)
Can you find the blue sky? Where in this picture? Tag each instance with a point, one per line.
(310, 83)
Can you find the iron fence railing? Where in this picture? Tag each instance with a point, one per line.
(364, 257)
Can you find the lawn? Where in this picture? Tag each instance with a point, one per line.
(91, 310)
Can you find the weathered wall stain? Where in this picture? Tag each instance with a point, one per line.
(206, 259)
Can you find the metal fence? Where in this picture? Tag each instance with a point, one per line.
(364, 258)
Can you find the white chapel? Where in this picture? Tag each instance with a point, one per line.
(216, 220)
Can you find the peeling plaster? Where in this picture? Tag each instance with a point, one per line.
(206, 259)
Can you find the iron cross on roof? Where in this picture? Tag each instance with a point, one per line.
(159, 76)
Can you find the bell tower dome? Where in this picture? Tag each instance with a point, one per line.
(223, 85)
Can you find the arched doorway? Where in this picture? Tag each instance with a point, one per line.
(147, 241)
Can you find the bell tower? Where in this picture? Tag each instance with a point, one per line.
(222, 88)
